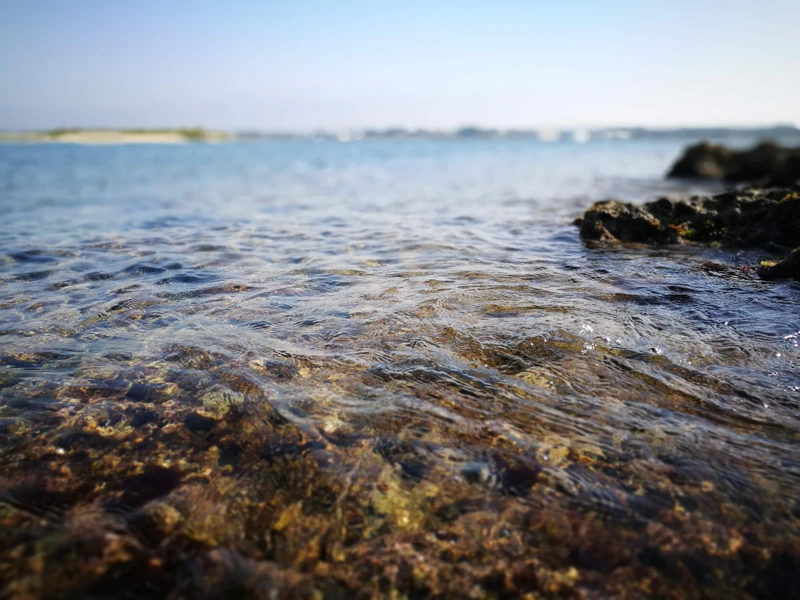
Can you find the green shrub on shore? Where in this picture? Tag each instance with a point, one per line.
(194, 134)
(60, 131)
(191, 134)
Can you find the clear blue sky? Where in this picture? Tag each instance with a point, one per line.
(302, 64)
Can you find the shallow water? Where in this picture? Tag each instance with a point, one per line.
(383, 365)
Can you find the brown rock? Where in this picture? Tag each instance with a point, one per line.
(787, 268)
(616, 221)
(746, 218)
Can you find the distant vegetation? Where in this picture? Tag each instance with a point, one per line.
(191, 134)
(57, 133)
(786, 134)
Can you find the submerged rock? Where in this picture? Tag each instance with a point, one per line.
(737, 218)
(766, 164)
(198, 423)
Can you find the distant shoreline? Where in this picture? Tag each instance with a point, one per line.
(111, 136)
(115, 136)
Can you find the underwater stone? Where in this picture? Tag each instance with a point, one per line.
(477, 472)
(197, 423)
(138, 392)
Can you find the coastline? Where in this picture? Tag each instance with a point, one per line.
(784, 134)
(115, 137)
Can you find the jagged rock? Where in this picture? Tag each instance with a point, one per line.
(788, 268)
(766, 164)
(747, 218)
(768, 218)
(616, 221)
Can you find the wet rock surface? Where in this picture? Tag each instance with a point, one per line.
(764, 218)
(788, 267)
(766, 164)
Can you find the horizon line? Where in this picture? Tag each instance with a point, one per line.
(410, 129)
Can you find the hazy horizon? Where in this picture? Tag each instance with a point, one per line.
(310, 66)
(410, 129)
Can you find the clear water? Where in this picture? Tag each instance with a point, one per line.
(419, 322)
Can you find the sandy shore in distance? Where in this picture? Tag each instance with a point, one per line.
(111, 137)
(119, 137)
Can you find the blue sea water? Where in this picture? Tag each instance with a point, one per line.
(340, 223)
(421, 289)
(73, 189)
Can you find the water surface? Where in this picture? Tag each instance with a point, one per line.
(383, 365)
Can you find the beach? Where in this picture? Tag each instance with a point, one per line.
(113, 137)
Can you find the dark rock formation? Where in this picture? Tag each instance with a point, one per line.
(746, 218)
(767, 218)
(767, 164)
(788, 268)
(198, 423)
(611, 221)
(702, 161)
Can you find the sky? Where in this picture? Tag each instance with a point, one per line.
(306, 65)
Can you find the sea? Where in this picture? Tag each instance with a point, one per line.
(334, 359)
